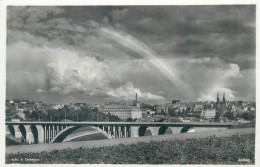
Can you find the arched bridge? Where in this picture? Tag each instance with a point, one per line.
(51, 132)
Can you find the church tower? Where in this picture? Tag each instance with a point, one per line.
(217, 98)
(224, 99)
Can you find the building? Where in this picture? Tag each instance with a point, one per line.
(21, 108)
(81, 104)
(241, 120)
(197, 110)
(23, 102)
(209, 113)
(223, 119)
(198, 107)
(159, 109)
(123, 112)
(151, 112)
(159, 118)
(148, 108)
(166, 107)
(136, 113)
(57, 106)
(221, 106)
(176, 103)
(115, 103)
(174, 119)
(16, 118)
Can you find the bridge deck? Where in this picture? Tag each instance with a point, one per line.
(175, 124)
(36, 148)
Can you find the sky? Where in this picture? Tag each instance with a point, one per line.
(98, 54)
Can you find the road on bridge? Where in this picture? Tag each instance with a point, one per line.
(176, 124)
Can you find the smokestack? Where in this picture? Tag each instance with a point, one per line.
(136, 99)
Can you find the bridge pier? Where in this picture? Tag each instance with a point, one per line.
(45, 134)
(17, 131)
(7, 131)
(29, 134)
(108, 130)
(49, 132)
(125, 133)
(53, 131)
(120, 132)
(134, 131)
(40, 131)
(114, 131)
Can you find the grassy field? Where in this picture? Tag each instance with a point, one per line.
(236, 149)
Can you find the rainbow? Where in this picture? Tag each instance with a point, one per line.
(146, 52)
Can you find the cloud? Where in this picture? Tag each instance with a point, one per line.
(170, 30)
(70, 73)
(193, 31)
(76, 53)
(70, 83)
(207, 76)
(27, 17)
(67, 73)
(131, 43)
(40, 91)
(128, 91)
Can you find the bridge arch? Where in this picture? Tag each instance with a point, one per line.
(100, 129)
(186, 129)
(64, 133)
(11, 129)
(141, 130)
(23, 131)
(164, 130)
(144, 131)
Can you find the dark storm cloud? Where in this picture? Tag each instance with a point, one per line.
(193, 31)
(196, 31)
(204, 46)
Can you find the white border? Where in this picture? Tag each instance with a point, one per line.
(5, 3)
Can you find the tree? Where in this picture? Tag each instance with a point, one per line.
(216, 118)
(184, 113)
(247, 116)
(34, 116)
(171, 112)
(7, 115)
(129, 120)
(229, 115)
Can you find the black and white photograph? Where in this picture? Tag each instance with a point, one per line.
(130, 84)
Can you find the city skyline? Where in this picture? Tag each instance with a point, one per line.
(132, 102)
(99, 54)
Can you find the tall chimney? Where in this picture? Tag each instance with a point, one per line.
(136, 99)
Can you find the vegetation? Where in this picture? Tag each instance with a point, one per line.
(244, 125)
(82, 114)
(211, 150)
(248, 115)
(229, 115)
